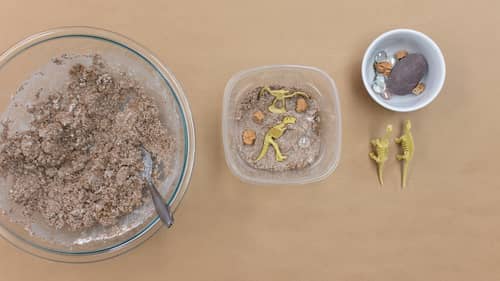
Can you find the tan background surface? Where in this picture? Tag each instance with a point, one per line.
(445, 226)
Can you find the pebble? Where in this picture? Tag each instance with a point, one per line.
(304, 142)
(401, 54)
(393, 60)
(406, 74)
(249, 137)
(380, 78)
(379, 84)
(419, 89)
(381, 56)
(386, 95)
(384, 67)
(258, 117)
(378, 88)
(301, 105)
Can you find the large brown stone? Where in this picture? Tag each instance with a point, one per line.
(406, 74)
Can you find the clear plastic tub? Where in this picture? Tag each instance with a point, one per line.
(320, 86)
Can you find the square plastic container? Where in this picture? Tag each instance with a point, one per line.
(320, 86)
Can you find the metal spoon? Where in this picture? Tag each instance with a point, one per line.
(162, 209)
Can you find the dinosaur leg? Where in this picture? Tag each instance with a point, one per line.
(374, 157)
(265, 148)
(397, 140)
(279, 157)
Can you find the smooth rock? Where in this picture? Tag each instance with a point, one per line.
(378, 87)
(406, 74)
(304, 142)
(381, 56)
(380, 78)
(385, 95)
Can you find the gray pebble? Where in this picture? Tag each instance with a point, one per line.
(406, 74)
(381, 56)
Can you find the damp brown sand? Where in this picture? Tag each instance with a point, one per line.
(300, 154)
(79, 163)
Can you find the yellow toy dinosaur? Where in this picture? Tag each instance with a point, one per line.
(408, 147)
(273, 134)
(280, 96)
(381, 153)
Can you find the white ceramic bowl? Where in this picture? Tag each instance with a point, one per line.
(413, 42)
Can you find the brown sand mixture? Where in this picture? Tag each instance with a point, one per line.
(79, 164)
(301, 141)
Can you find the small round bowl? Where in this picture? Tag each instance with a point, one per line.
(413, 42)
(23, 68)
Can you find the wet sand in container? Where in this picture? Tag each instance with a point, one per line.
(301, 141)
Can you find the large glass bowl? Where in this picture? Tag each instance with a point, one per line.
(26, 59)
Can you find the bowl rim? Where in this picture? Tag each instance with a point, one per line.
(329, 169)
(187, 126)
(421, 36)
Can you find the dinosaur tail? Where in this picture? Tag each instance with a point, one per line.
(263, 151)
(405, 173)
(303, 94)
(380, 170)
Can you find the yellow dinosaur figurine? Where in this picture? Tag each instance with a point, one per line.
(280, 96)
(273, 134)
(408, 147)
(381, 153)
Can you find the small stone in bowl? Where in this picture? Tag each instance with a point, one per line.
(381, 56)
(301, 105)
(384, 67)
(379, 86)
(249, 137)
(258, 117)
(419, 89)
(401, 54)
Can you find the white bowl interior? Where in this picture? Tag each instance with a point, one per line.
(413, 42)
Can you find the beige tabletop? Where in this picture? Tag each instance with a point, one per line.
(444, 226)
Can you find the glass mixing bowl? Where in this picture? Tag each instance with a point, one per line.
(23, 69)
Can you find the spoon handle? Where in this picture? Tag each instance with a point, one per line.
(161, 207)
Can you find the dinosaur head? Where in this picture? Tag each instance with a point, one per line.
(407, 125)
(289, 120)
(388, 129)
